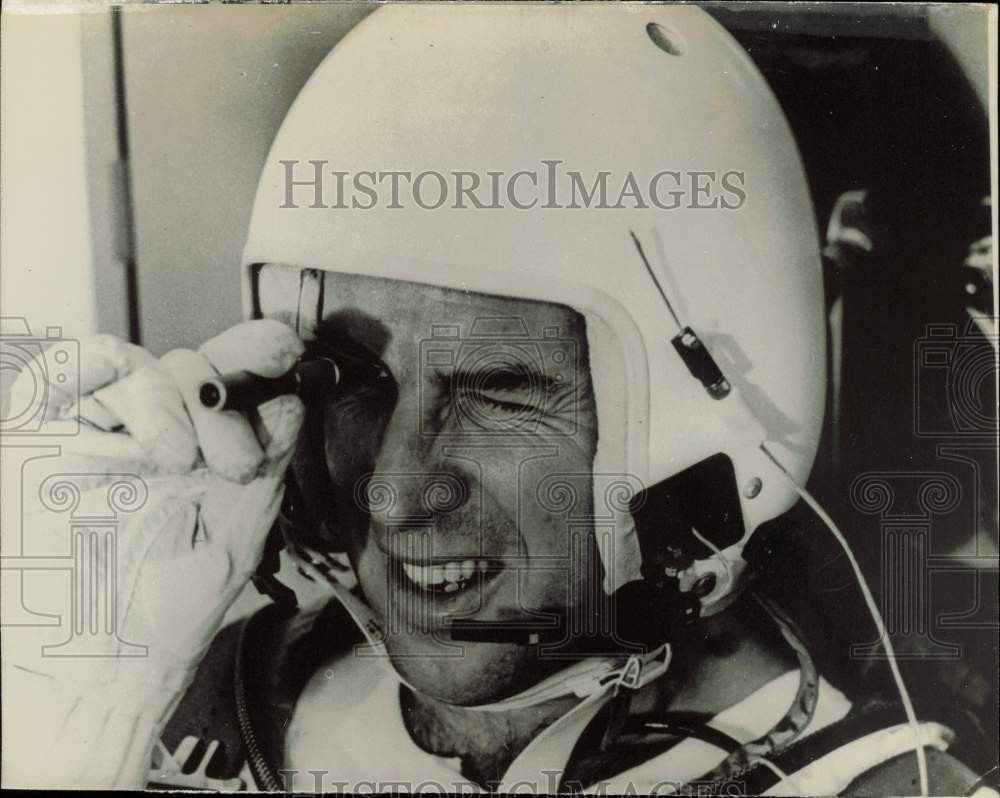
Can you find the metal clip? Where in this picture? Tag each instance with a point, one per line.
(631, 674)
(169, 771)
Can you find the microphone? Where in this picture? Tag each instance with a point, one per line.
(644, 616)
(311, 377)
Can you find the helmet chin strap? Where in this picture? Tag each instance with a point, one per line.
(587, 678)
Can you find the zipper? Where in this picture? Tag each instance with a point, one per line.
(263, 774)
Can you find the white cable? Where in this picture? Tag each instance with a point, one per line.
(785, 778)
(715, 550)
(911, 715)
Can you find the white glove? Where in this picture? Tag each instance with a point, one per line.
(206, 486)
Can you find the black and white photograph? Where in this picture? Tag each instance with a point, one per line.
(585, 398)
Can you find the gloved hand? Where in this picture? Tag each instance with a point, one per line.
(206, 487)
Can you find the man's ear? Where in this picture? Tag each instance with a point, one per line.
(310, 541)
(309, 510)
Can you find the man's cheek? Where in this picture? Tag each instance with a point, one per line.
(352, 526)
(369, 564)
(352, 444)
(564, 546)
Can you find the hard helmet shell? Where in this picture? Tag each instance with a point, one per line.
(638, 89)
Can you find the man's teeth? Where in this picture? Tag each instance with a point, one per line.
(450, 576)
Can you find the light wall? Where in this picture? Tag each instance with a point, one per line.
(206, 89)
(46, 268)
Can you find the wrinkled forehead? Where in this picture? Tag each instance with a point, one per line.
(387, 316)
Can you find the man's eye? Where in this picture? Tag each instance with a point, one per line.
(498, 404)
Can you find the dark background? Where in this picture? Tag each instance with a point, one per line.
(890, 111)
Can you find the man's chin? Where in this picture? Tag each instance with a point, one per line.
(465, 674)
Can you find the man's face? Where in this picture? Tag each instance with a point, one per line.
(450, 490)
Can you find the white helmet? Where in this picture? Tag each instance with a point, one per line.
(641, 89)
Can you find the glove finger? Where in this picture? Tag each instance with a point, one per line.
(226, 439)
(54, 381)
(149, 405)
(262, 346)
(236, 519)
(277, 424)
(269, 348)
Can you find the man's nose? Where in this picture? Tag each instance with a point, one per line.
(414, 482)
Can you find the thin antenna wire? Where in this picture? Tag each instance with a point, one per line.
(911, 715)
(645, 262)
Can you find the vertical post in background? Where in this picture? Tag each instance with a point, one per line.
(111, 216)
(127, 219)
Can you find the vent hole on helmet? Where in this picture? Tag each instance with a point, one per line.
(667, 40)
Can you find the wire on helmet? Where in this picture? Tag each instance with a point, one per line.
(904, 695)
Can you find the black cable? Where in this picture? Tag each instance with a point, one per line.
(697, 731)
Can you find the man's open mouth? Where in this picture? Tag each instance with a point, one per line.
(448, 578)
(444, 579)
